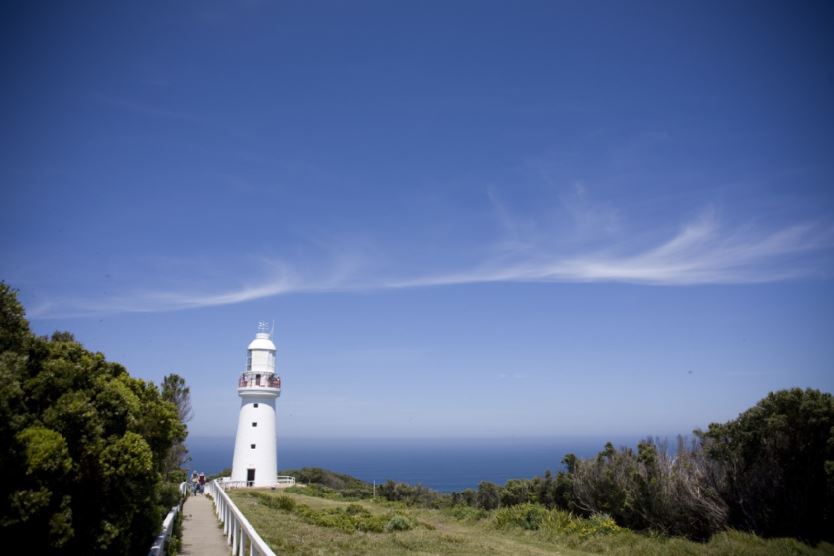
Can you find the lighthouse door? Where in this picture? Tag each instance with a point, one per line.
(250, 477)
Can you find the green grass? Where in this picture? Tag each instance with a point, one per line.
(295, 523)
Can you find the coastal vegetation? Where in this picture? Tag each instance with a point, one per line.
(91, 456)
(297, 523)
(760, 484)
(769, 472)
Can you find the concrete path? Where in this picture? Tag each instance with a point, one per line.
(201, 534)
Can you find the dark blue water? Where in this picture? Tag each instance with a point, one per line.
(443, 465)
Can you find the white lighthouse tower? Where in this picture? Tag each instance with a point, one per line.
(255, 459)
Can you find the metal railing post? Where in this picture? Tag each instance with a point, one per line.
(237, 528)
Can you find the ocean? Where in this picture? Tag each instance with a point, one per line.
(444, 465)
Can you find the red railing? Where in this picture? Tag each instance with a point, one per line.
(255, 381)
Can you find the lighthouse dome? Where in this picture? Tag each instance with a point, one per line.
(262, 341)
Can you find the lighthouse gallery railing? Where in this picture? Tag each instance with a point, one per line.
(236, 527)
(247, 380)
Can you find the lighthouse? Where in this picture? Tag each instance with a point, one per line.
(255, 459)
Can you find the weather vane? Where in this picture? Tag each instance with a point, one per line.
(263, 326)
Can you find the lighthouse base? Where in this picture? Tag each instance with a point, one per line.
(255, 461)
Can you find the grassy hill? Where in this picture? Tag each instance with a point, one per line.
(322, 519)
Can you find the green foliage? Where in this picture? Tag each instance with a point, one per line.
(45, 452)
(278, 502)
(770, 471)
(774, 465)
(174, 544)
(535, 517)
(413, 495)
(489, 495)
(348, 519)
(169, 495)
(527, 516)
(331, 480)
(174, 390)
(84, 445)
(453, 530)
(14, 328)
(398, 523)
(650, 489)
(227, 472)
(466, 513)
(518, 491)
(328, 484)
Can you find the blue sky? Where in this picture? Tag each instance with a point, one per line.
(473, 219)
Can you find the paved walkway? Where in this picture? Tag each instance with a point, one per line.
(201, 534)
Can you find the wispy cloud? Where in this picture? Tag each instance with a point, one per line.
(701, 252)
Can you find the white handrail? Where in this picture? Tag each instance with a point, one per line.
(281, 481)
(168, 525)
(236, 527)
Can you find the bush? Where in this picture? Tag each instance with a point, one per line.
(356, 509)
(466, 513)
(416, 495)
(278, 502)
(535, 517)
(527, 516)
(331, 480)
(488, 496)
(354, 517)
(651, 489)
(398, 523)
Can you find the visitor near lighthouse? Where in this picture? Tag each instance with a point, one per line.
(255, 458)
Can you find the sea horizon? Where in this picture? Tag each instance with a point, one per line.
(442, 464)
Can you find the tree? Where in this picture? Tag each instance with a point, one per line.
(174, 390)
(518, 491)
(489, 495)
(650, 489)
(14, 329)
(84, 445)
(774, 465)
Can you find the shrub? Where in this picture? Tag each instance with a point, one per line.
(535, 517)
(278, 502)
(356, 509)
(466, 513)
(527, 516)
(284, 503)
(488, 496)
(416, 495)
(651, 489)
(354, 517)
(398, 523)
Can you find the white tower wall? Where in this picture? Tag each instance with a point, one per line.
(255, 459)
(263, 457)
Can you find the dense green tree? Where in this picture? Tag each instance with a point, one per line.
(488, 496)
(519, 491)
(85, 445)
(770, 471)
(774, 465)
